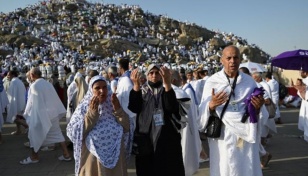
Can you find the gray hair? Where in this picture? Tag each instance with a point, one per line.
(113, 70)
(257, 74)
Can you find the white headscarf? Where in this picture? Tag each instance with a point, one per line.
(104, 140)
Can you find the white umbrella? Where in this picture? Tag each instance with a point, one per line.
(253, 67)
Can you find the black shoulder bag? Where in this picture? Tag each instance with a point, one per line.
(213, 127)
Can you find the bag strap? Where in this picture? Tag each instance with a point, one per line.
(232, 92)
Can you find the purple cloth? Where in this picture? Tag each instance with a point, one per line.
(250, 109)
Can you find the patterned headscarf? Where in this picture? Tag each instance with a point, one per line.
(104, 140)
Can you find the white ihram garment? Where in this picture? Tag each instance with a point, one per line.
(43, 112)
(303, 115)
(124, 87)
(191, 143)
(17, 99)
(196, 85)
(270, 123)
(226, 158)
(71, 90)
(274, 86)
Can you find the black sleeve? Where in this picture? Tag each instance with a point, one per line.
(135, 101)
(170, 102)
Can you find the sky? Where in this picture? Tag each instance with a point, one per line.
(273, 25)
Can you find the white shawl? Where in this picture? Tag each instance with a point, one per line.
(232, 120)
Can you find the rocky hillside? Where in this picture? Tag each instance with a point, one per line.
(107, 30)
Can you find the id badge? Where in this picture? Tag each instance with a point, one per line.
(158, 117)
(234, 106)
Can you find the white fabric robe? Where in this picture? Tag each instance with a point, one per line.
(17, 99)
(113, 85)
(124, 87)
(202, 88)
(196, 84)
(43, 110)
(274, 86)
(270, 123)
(226, 158)
(303, 115)
(191, 143)
(267, 123)
(71, 90)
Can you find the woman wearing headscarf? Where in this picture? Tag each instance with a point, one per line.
(157, 138)
(101, 133)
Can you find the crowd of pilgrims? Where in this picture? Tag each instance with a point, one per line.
(74, 88)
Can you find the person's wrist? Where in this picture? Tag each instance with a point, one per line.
(211, 106)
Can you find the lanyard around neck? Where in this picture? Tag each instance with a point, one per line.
(233, 85)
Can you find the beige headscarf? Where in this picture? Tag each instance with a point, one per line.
(82, 89)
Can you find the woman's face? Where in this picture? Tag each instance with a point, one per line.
(100, 90)
(154, 75)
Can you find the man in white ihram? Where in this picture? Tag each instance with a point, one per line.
(17, 100)
(236, 151)
(124, 87)
(302, 91)
(43, 112)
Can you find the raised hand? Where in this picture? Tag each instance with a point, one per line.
(94, 103)
(165, 73)
(135, 76)
(115, 102)
(218, 99)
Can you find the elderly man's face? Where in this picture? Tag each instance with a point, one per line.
(231, 61)
(154, 75)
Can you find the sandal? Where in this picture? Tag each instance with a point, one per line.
(28, 161)
(63, 158)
